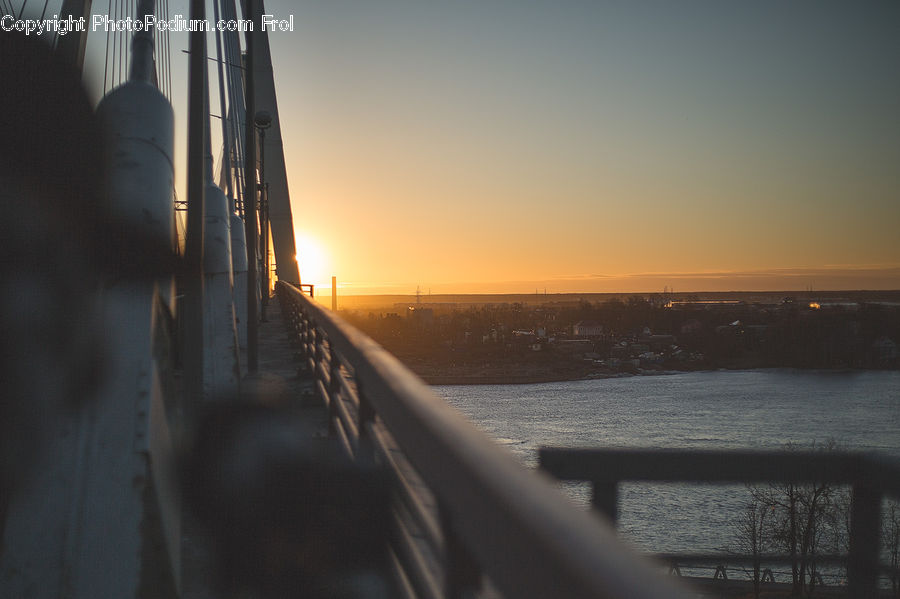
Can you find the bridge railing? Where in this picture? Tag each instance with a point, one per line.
(871, 478)
(468, 516)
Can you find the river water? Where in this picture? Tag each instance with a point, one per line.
(757, 409)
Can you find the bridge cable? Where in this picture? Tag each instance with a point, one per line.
(232, 106)
(168, 54)
(114, 53)
(115, 43)
(226, 163)
(115, 48)
(22, 10)
(166, 62)
(238, 113)
(161, 59)
(122, 69)
(123, 59)
(106, 51)
(126, 11)
(161, 53)
(227, 41)
(160, 56)
(129, 51)
(127, 44)
(156, 64)
(121, 44)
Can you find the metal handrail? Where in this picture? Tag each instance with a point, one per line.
(508, 523)
(871, 477)
(719, 466)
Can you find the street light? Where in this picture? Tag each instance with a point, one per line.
(263, 120)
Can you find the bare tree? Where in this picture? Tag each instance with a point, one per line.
(754, 538)
(799, 519)
(890, 528)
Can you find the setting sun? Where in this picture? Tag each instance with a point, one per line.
(313, 261)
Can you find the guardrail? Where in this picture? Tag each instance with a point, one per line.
(870, 477)
(467, 514)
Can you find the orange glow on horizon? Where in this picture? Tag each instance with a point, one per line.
(313, 261)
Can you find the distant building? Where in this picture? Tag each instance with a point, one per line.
(658, 342)
(574, 346)
(885, 351)
(692, 326)
(834, 305)
(587, 328)
(704, 304)
(524, 336)
(423, 317)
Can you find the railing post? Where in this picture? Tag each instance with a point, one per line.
(462, 576)
(298, 323)
(365, 415)
(303, 324)
(293, 322)
(605, 498)
(334, 386)
(865, 520)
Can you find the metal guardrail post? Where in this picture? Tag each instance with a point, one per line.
(604, 497)
(865, 541)
(334, 387)
(365, 417)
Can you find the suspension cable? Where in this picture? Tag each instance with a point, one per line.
(115, 49)
(121, 44)
(168, 55)
(226, 145)
(236, 91)
(106, 52)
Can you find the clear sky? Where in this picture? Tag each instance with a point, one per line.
(508, 146)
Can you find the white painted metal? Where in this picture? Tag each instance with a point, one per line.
(101, 518)
(221, 372)
(85, 526)
(139, 129)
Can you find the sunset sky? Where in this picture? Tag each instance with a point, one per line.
(508, 146)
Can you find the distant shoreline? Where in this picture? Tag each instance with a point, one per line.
(477, 379)
(390, 302)
(450, 380)
(487, 379)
